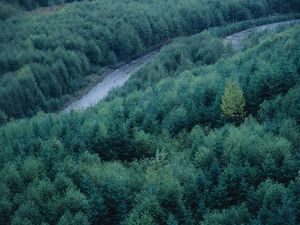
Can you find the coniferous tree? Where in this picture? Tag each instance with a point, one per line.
(233, 102)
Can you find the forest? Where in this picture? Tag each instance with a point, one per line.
(32, 4)
(46, 58)
(204, 134)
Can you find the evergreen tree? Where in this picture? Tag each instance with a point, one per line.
(233, 102)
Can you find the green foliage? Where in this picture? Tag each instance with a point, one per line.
(274, 204)
(233, 102)
(143, 219)
(71, 219)
(161, 153)
(32, 4)
(8, 10)
(79, 45)
(234, 215)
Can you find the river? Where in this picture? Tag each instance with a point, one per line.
(114, 79)
(119, 76)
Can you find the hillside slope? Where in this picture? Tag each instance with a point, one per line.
(44, 58)
(169, 152)
(118, 76)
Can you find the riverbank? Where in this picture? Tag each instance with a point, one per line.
(119, 75)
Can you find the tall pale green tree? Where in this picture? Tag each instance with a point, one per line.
(233, 102)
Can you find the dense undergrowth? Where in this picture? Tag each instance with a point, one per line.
(163, 151)
(44, 58)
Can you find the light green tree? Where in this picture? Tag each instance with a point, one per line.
(233, 102)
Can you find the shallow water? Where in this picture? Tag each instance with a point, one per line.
(237, 39)
(113, 80)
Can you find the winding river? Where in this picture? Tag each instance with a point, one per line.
(119, 76)
(114, 79)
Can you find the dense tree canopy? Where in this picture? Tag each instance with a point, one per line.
(159, 151)
(31, 4)
(46, 57)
